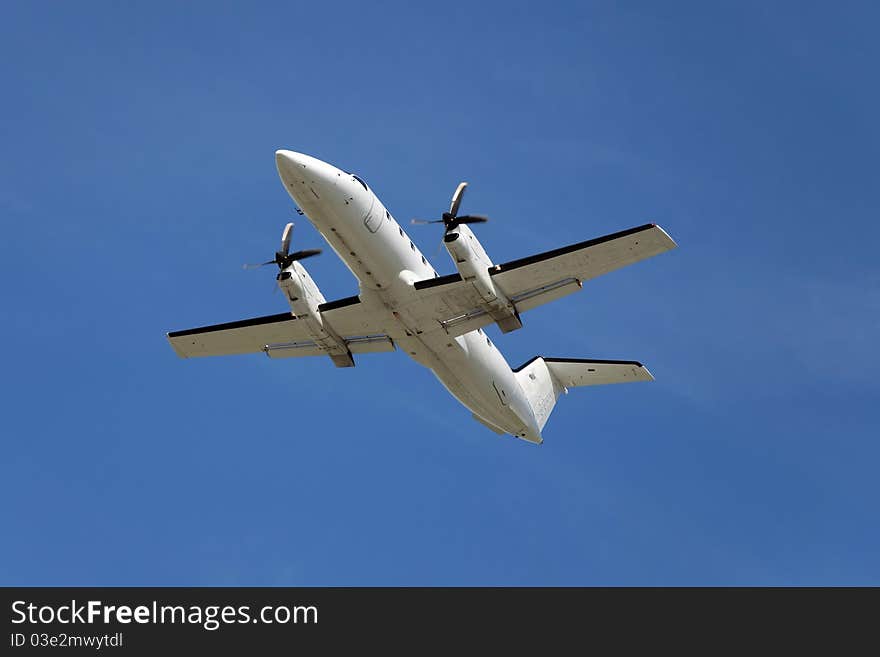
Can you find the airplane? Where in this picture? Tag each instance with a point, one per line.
(436, 320)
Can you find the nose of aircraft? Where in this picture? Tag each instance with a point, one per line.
(306, 178)
(289, 161)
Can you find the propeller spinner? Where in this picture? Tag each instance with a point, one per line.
(284, 258)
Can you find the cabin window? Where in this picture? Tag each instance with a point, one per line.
(412, 246)
(424, 262)
(400, 230)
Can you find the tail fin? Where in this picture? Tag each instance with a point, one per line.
(544, 379)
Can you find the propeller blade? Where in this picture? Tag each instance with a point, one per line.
(285, 238)
(472, 219)
(425, 222)
(456, 198)
(257, 266)
(284, 258)
(300, 255)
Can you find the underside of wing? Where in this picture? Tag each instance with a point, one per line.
(454, 304)
(241, 337)
(582, 261)
(285, 335)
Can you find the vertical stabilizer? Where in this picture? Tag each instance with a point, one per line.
(544, 379)
(541, 388)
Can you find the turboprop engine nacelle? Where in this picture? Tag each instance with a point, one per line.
(302, 293)
(473, 265)
(304, 299)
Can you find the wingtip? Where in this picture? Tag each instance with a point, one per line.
(180, 354)
(673, 244)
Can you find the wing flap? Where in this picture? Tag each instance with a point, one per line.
(545, 294)
(361, 344)
(370, 344)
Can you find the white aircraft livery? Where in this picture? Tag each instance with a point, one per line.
(402, 303)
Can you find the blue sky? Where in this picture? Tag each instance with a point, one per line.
(137, 174)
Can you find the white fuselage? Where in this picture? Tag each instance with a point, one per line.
(387, 263)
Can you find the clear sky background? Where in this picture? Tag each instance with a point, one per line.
(137, 174)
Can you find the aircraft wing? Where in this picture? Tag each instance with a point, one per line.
(284, 335)
(457, 308)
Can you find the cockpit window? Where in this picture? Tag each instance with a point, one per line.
(360, 181)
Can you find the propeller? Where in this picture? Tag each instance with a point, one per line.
(284, 258)
(451, 219)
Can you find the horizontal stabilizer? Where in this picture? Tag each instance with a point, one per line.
(574, 372)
